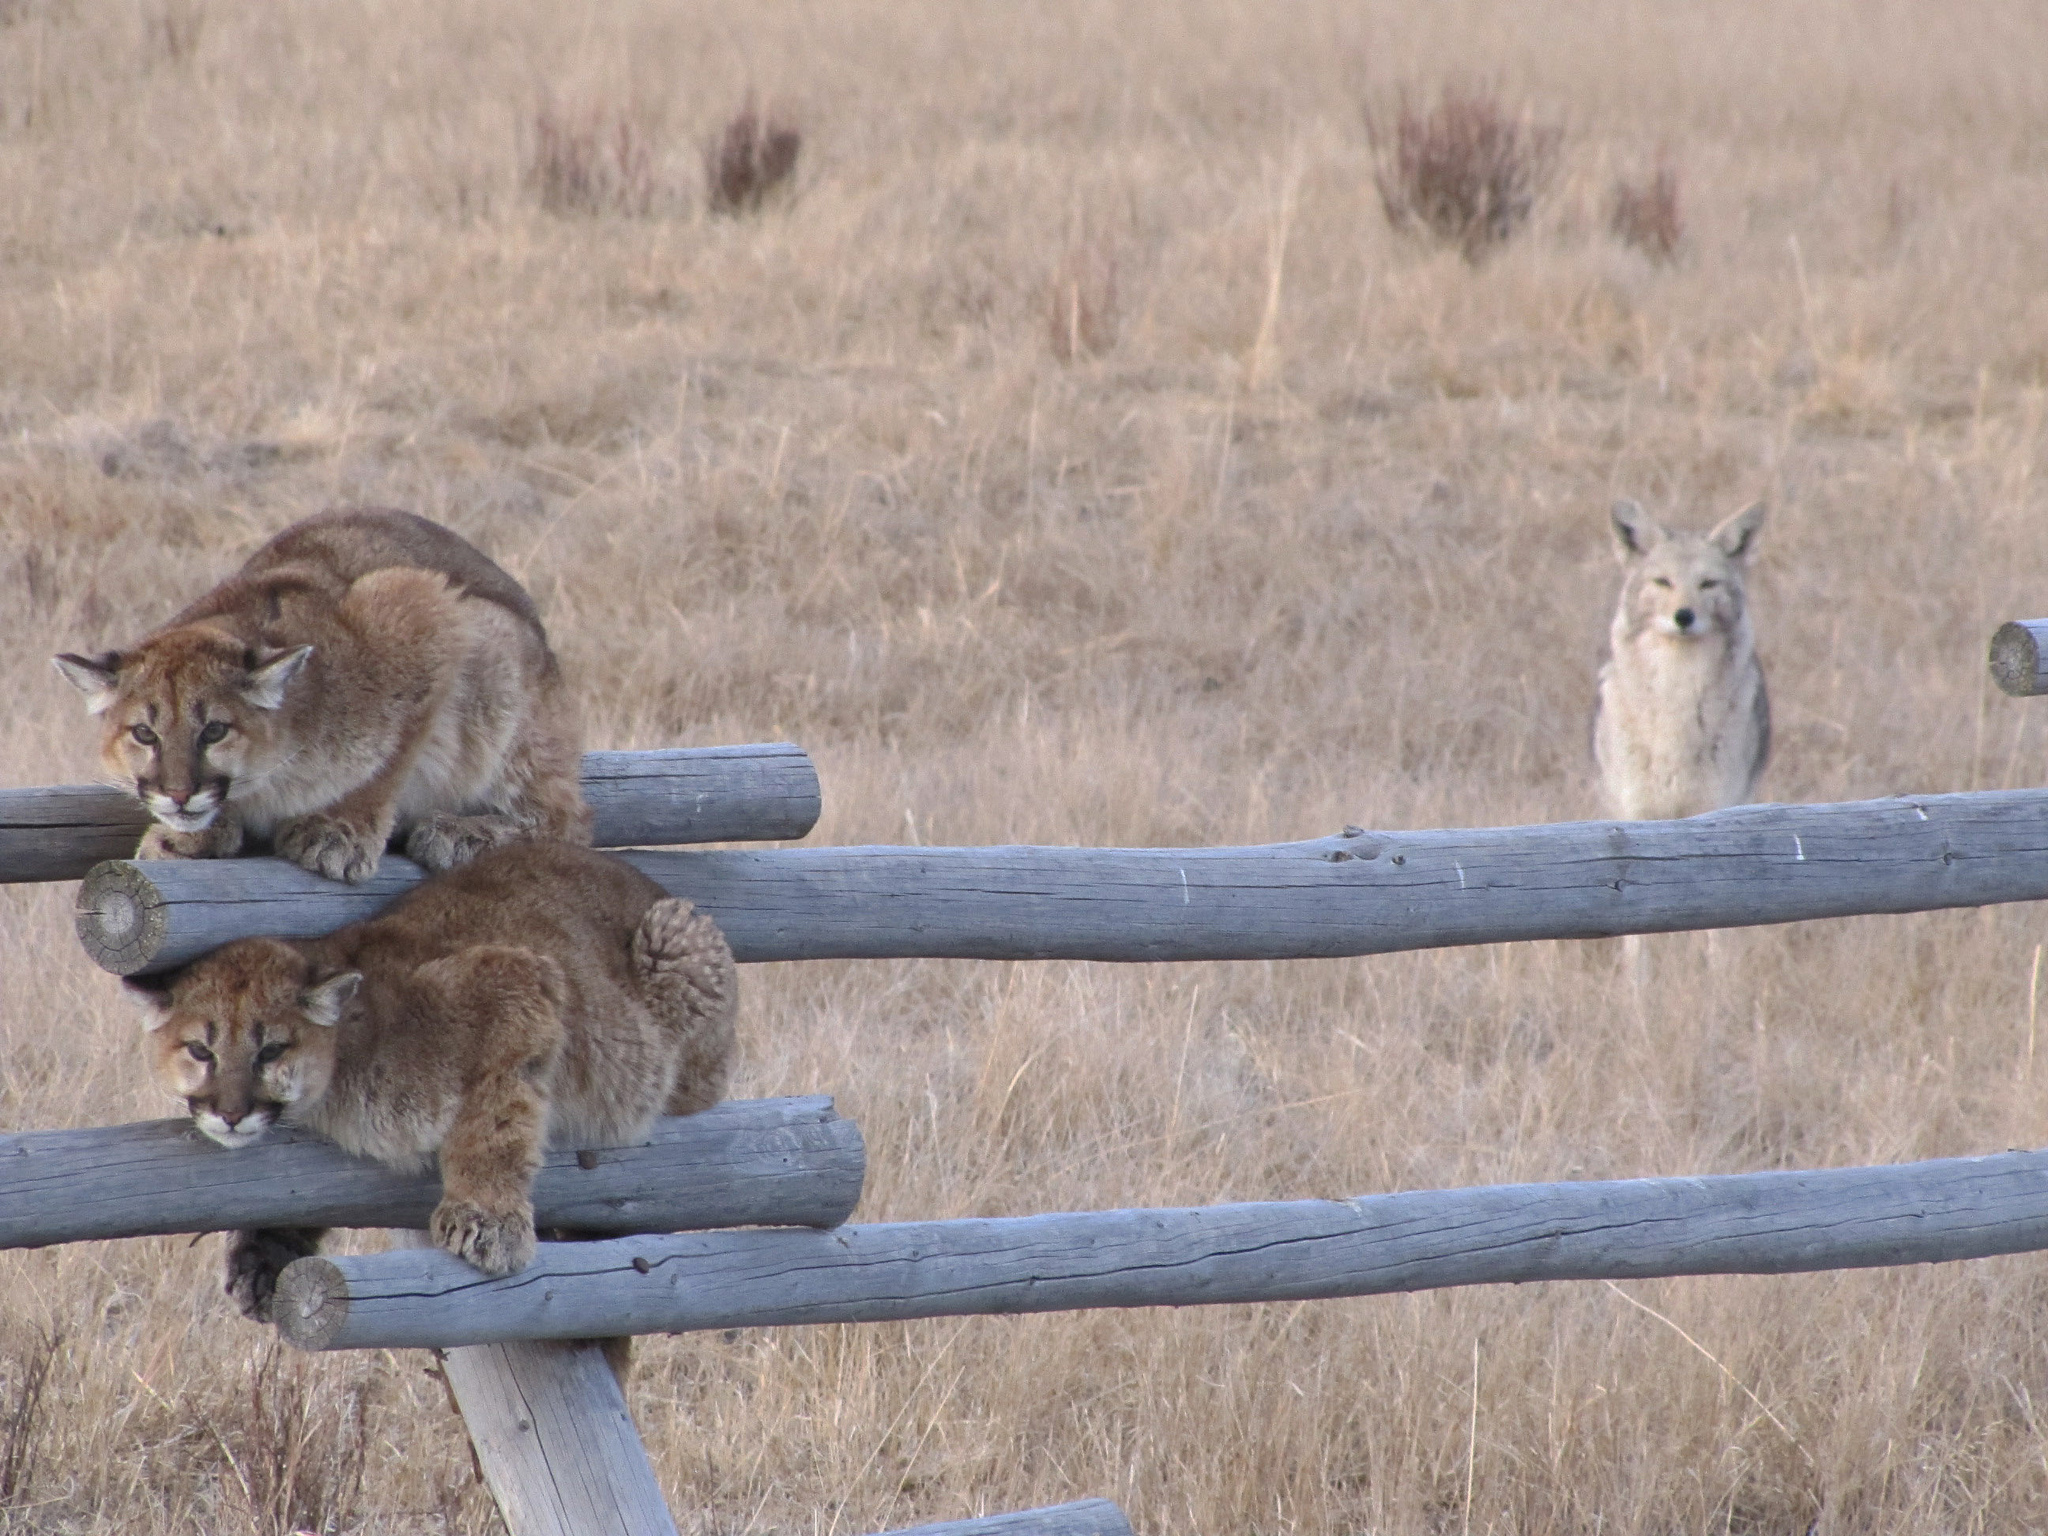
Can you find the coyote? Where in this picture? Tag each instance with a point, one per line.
(1683, 723)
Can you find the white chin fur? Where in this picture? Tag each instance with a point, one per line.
(186, 820)
(1667, 628)
(234, 1137)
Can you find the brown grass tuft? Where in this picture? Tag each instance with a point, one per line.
(1082, 308)
(595, 161)
(1645, 214)
(1465, 171)
(749, 159)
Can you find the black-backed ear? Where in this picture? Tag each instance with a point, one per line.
(323, 1001)
(97, 677)
(1736, 537)
(1636, 533)
(269, 672)
(152, 994)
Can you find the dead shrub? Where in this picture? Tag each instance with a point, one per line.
(303, 1448)
(21, 1422)
(594, 161)
(1082, 311)
(1464, 171)
(750, 158)
(1645, 214)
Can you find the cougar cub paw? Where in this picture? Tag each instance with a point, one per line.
(444, 841)
(329, 846)
(161, 842)
(498, 1243)
(256, 1259)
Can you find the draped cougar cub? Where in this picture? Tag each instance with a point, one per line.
(364, 673)
(1683, 723)
(543, 995)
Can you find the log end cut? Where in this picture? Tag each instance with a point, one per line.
(2016, 651)
(311, 1303)
(120, 916)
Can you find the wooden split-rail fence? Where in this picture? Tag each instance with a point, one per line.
(737, 1217)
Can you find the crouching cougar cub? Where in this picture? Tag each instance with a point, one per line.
(543, 995)
(365, 673)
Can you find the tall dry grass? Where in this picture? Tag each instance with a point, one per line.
(1318, 536)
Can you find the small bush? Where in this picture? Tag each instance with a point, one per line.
(591, 162)
(1463, 171)
(749, 159)
(1645, 214)
(1083, 313)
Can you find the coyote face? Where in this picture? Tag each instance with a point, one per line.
(1683, 723)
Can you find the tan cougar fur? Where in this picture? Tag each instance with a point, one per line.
(366, 674)
(1683, 723)
(541, 996)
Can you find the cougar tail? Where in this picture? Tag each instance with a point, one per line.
(685, 969)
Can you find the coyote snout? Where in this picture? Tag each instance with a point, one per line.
(1683, 723)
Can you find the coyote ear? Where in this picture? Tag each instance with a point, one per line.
(1735, 537)
(97, 677)
(1635, 532)
(152, 994)
(323, 1001)
(269, 671)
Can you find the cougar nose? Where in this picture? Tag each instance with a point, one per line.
(232, 1117)
(1683, 619)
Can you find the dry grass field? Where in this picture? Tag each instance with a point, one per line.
(1285, 519)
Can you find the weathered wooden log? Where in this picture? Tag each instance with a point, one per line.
(1083, 1517)
(1359, 894)
(556, 1443)
(761, 793)
(1756, 1223)
(2019, 657)
(743, 1163)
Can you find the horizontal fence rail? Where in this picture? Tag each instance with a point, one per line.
(761, 793)
(1754, 1223)
(1083, 1517)
(767, 1162)
(1359, 894)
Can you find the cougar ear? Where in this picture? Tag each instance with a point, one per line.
(323, 1001)
(1735, 537)
(269, 671)
(97, 677)
(1635, 531)
(152, 994)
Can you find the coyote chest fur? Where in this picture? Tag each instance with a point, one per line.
(543, 995)
(1683, 723)
(366, 674)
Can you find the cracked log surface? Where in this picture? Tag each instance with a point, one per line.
(760, 793)
(1359, 894)
(1755, 1223)
(741, 1163)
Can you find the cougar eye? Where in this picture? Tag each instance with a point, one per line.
(197, 1051)
(143, 734)
(213, 732)
(271, 1052)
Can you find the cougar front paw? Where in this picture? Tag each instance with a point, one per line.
(256, 1259)
(444, 841)
(496, 1242)
(162, 842)
(329, 846)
